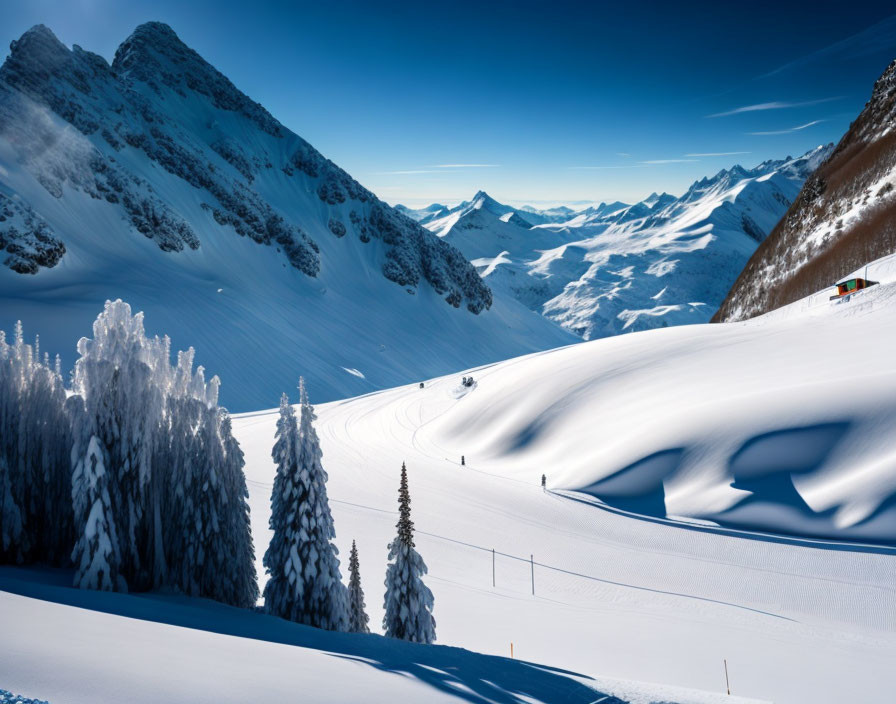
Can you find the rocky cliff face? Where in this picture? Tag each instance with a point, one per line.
(75, 122)
(844, 217)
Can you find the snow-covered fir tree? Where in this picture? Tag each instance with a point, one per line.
(96, 555)
(35, 472)
(409, 602)
(357, 614)
(176, 513)
(305, 584)
(123, 413)
(242, 581)
(13, 539)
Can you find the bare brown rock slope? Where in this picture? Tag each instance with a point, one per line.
(844, 217)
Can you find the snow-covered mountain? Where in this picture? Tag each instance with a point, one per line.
(619, 267)
(844, 216)
(155, 180)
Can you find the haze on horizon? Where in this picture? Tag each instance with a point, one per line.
(544, 103)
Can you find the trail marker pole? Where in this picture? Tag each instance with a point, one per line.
(532, 564)
(727, 685)
(493, 567)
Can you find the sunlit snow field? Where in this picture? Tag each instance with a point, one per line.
(798, 618)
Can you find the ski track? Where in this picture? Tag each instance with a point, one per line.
(592, 565)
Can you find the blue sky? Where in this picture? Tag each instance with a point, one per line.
(532, 101)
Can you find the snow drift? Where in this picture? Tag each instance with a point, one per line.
(784, 425)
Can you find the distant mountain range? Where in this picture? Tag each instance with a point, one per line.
(154, 179)
(844, 217)
(619, 267)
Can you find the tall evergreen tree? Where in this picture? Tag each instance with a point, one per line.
(243, 580)
(96, 554)
(408, 602)
(114, 377)
(305, 585)
(177, 511)
(13, 539)
(357, 614)
(35, 471)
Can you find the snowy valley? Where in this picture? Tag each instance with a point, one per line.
(708, 511)
(614, 267)
(512, 460)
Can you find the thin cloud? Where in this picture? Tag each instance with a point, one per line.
(700, 154)
(637, 165)
(624, 155)
(626, 166)
(405, 172)
(788, 131)
(668, 161)
(876, 38)
(774, 105)
(464, 166)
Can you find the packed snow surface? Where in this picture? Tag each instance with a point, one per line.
(664, 451)
(82, 647)
(715, 492)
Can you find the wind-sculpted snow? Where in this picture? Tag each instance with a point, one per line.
(765, 427)
(615, 267)
(155, 180)
(690, 474)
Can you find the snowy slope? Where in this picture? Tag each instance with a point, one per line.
(616, 267)
(665, 451)
(155, 180)
(175, 649)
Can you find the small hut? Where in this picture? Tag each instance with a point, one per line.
(848, 286)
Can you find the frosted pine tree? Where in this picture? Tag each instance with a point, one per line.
(305, 585)
(13, 539)
(35, 472)
(242, 579)
(409, 602)
(357, 615)
(115, 378)
(96, 554)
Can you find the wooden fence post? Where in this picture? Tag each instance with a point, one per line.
(727, 684)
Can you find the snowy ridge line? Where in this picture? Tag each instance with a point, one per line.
(553, 568)
(807, 542)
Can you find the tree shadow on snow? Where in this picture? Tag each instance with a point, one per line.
(469, 676)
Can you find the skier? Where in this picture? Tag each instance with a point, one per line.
(463, 461)
(544, 481)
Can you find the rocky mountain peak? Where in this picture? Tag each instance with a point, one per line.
(37, 51)
(156, 57)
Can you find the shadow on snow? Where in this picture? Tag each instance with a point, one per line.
(469, 676)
